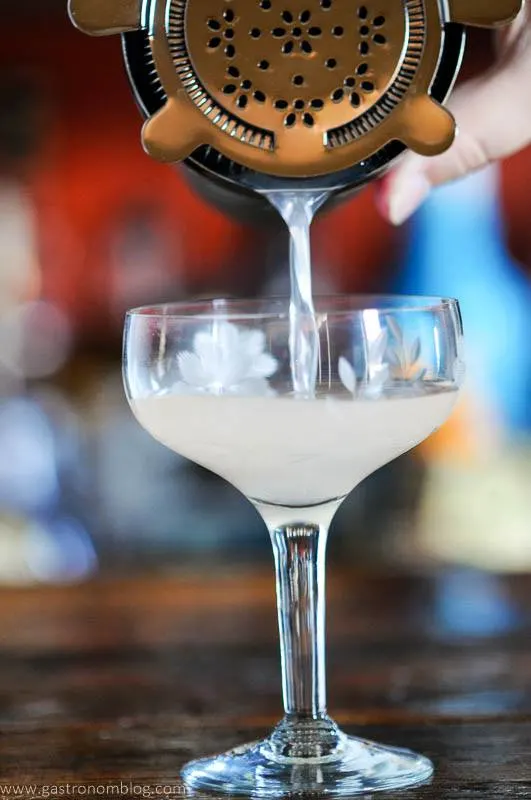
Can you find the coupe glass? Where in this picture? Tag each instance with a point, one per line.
(213, 382)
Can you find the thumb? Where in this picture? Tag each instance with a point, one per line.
(494, 121)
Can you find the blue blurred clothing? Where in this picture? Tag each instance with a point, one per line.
(457, 248)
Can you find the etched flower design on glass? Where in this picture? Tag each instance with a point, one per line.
(391, 361)
(404, 356)
(376, 370)
(226, 359)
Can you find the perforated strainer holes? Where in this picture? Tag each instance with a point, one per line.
(296, 31)
(354, 86)
(299, 111)
(357, 85)
(228, 88)
(370, 30)
(354, 89)
(242, 89)
(224, 31)
(349, 89)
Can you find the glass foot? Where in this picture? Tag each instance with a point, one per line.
(354, 767)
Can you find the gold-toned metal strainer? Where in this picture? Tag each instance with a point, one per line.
(293, 88)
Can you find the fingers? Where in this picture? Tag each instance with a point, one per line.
(493, 115)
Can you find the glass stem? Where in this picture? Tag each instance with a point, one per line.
(306, 732)
(300, 560)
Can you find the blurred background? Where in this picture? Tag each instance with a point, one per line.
(90, 226)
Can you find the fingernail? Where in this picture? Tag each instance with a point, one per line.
(406, 193)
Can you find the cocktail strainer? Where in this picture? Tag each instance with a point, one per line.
(292, 89)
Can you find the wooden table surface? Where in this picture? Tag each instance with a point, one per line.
(123, 681)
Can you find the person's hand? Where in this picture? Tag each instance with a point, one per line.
(493, 115)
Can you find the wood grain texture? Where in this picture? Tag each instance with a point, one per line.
(125, 681)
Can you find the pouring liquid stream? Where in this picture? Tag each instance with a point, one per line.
(298, 208)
